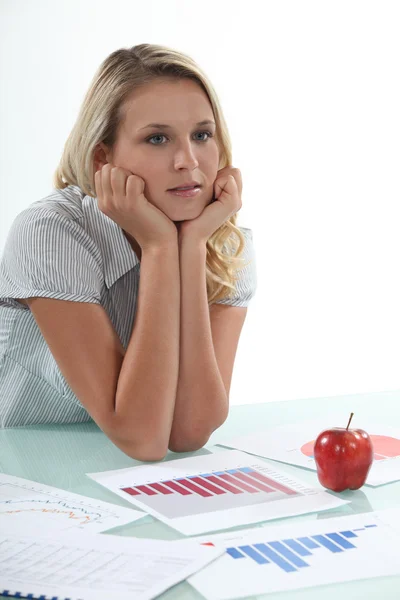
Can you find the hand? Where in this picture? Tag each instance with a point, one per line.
(120, 196)
(227, 201)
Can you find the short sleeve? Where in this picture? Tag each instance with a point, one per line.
(50, 255)
(246, 283)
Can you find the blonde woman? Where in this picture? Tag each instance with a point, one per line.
(122, 299)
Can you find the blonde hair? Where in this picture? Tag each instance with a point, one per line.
(122, 72)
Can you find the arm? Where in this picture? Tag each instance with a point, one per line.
(145, 395)
(129, 394)
(201, 403)
(208, 336)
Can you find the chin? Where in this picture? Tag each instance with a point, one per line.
(184, 213)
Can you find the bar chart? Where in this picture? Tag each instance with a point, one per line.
(215, 491)
(288, 554)
(239, 487)
(229, 488)
(306, 554)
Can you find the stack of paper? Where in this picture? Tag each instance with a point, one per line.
(96, 567)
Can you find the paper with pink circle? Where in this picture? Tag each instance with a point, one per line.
(293, 444)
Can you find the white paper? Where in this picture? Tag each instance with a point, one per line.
(83, 566)
(374, 553)
(28, 505)
(293, 444)
(180, 492)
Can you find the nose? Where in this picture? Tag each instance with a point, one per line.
(185, 157)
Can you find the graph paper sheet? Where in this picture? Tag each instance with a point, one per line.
(308, 554)
(83, 566)
(27, 505)
(294, 444)
(216, 491)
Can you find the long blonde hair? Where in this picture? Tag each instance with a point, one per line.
(122, 72)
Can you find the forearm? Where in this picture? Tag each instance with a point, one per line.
(201, 401)
(147, 383)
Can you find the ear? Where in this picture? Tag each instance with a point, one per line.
(100, 157)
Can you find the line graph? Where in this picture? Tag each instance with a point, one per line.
(28, 504)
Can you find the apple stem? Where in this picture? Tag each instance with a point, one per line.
(351, 416)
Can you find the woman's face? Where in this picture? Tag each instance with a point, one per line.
(167, 157)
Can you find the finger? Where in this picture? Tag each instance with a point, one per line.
(97, 184)
(229, 196)
(118, 179)
(218, 214)
(133, 186)
(106, 182)
(229, 170)
(225, 185)
(238, 178)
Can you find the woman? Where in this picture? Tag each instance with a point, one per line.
(122, 299)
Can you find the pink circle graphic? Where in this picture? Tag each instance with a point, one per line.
(384, 447)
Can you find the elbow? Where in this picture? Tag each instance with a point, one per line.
(187, 441)
(190, 439)
(149, 446)
(177, 443)
(147, 454)
(143, 452)
(186, 445)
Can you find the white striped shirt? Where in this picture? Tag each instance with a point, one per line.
(64, 247)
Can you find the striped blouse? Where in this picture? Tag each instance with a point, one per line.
(64, 247)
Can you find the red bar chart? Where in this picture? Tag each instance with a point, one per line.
(210, 491)
(232, 481)
(215, 491)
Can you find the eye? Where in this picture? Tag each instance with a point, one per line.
(161, 135)
(207, 133)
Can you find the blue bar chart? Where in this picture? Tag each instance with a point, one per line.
(301, 554)
(288, 554)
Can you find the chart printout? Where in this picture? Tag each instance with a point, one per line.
(216, 491)
(83, 566)
(294, 444)
(27, 505)
(292, 556)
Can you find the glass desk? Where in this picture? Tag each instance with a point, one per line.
(60, 455)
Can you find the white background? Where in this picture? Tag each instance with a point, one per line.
(311, 94)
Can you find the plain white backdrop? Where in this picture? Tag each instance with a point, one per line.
(311, 94)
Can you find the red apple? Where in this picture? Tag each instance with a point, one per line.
(344, 457)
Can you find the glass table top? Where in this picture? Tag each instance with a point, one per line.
(61, 455)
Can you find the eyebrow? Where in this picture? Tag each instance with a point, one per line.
(163, 125)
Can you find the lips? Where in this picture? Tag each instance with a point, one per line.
(185, 188)
(189, 193)
(189, 185)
